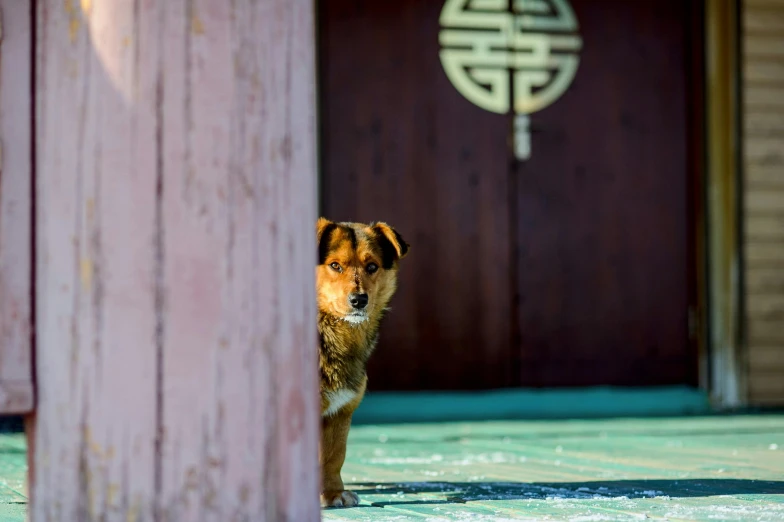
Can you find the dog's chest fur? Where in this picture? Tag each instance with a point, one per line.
(345, 349)
(337, 399)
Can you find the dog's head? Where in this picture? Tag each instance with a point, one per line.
(356, 274)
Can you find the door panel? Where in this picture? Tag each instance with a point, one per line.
(603, 208)
(568, 269)
(399, 144)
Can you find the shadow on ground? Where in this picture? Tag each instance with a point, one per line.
(460, 492)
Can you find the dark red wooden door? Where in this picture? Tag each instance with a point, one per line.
(571, 268)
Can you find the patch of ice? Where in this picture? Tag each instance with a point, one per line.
(488, 458)
(406, 460)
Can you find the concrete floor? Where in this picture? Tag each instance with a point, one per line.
(699, 468)
(13, 474)
(704, 468)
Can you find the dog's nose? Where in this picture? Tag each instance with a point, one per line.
(358, 301)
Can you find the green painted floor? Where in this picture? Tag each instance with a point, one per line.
(699, 468)
(13, 473)
(702, 468)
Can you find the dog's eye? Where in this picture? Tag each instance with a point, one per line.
(336, 267)
(372, 268)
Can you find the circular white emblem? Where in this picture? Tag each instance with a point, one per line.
(496, 54)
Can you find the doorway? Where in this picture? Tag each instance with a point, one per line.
(574, 267)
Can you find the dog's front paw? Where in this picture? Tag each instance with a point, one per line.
(344, 498)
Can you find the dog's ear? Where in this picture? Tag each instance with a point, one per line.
(393, 246)
(324, 228)
(321, 225)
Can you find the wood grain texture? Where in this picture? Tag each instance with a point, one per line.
(757, 72)
(764, 4)
(763, 46)
(765, 152)
(175, 212)
(765, 280)
(517, 269)
(765, 97)
(597, 246)
(16, 386)
(767, 388)
(764, 21)
(402, 145)
(764, 197)
(766, 358)
(768, 307)
(764, 255)
(764, 200)
(765, 176)
(765, 228)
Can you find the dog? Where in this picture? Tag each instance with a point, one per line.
(356, 277)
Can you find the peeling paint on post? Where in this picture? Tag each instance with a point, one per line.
(176, 196)
(16, 386)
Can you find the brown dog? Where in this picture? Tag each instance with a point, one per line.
(356, 277)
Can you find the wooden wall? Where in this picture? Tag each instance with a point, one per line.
(175, 295)
(763, 211)
(16, 386)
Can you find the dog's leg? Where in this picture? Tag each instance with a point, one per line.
(334, 433)
(332, 453)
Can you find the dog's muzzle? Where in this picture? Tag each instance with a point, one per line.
(358, 301)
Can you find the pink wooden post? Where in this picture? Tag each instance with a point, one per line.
(16, 386)
(176, 348)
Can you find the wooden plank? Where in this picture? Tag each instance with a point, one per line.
(764, 176)
(763, 21)
(16, 385)
(764, 332)
(765, 307)
(723, 203)
(767, 152)
(764, 280)
(175, 296)
(772, 400)
(373, 136)
(762, 72)
(764, 254)
(763, 124)
(764, 97)
(766, 47)
(765, 359)
(764, 228)
(762, 200)
(96, 273)
(769, 4)
(239, 202)
(766, 386)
